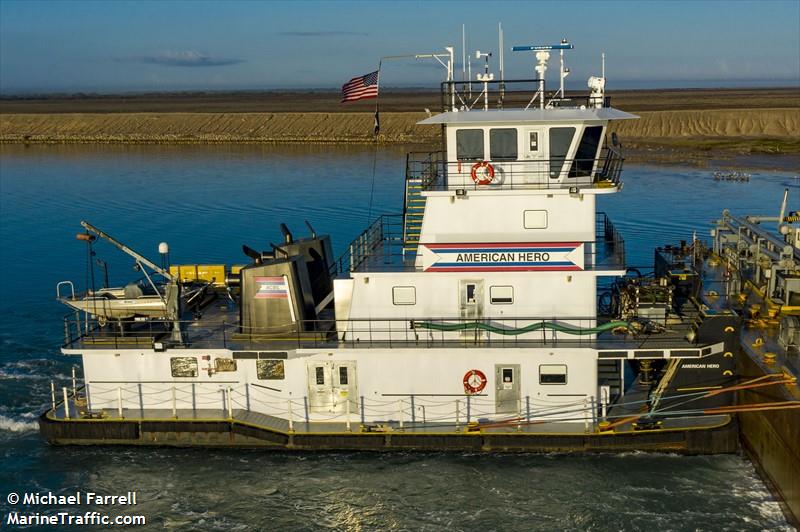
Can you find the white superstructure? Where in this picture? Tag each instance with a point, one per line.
(480, 302)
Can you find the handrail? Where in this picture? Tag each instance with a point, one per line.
(436, 173)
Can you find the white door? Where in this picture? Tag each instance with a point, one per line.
(470, 298)
(330, 385)
(534, 155)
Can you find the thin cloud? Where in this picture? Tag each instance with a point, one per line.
(188, 58)
(328, 33)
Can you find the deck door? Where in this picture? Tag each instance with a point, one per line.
(330, 385)
(507, 388)
(534, 158)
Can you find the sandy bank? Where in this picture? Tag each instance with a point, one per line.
(780, 126)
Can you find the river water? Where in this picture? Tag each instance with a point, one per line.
(206, 201)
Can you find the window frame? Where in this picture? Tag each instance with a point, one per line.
(482, 132)
(492, 298)
(394, 296)
(565, 374)
(515, 144)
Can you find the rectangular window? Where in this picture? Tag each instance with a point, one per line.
(587, 152)
(553, 374)
(343, 375)
(560, 141)
(503, 144)
(270, 370)
(535, 219)
(508, 375)
(404, 295)
(533, 140)
(469, 144)
(320, 375)
(183, 366)
(469, 295)
(501, 295)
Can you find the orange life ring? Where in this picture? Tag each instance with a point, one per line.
(487, 173)
(474, 381)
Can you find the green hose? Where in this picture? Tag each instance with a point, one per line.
(513, 332)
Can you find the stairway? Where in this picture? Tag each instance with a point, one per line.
(608, 373)
(413, 213)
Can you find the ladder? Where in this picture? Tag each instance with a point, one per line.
(413, 213)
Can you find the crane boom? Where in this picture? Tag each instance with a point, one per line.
(122, 247)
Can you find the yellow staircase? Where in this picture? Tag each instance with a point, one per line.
(413, 212)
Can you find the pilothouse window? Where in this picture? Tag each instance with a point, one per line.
(587, 152)
(503, 144)
(560, 141)
(469, 144)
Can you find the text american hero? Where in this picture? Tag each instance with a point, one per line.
(514, 256)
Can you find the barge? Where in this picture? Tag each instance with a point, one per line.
(494, 313)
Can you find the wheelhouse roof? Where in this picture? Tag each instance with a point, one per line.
(529, 116)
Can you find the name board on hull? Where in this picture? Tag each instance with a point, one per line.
(505, 257)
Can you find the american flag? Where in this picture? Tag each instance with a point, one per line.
(362, 87)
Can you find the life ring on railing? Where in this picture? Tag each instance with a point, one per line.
(474, 381)
(486, 175)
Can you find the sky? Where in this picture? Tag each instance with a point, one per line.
(122, 46)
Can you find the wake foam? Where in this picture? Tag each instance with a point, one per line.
(17, 425)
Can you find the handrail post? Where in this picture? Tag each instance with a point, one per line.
(347, 414)
(528, 408)
(469, 408)
(119, 402)
(74, 384)
(400, 413)
(362, 409)
(519, 414)
(229, 402)
(174, 403)
(458, 415)
(66, 403)
(53, 395)
(305, 410)
(413, 413)
(291, 420)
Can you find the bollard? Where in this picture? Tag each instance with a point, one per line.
(230, 404)
(347, 413)
(291, 421)
(119, 401)
(66, 403)
(53, 395)
(174, 404)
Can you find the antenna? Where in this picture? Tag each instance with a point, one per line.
(542, 56)
(500, 47)
(485, 78)
(463, 53)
